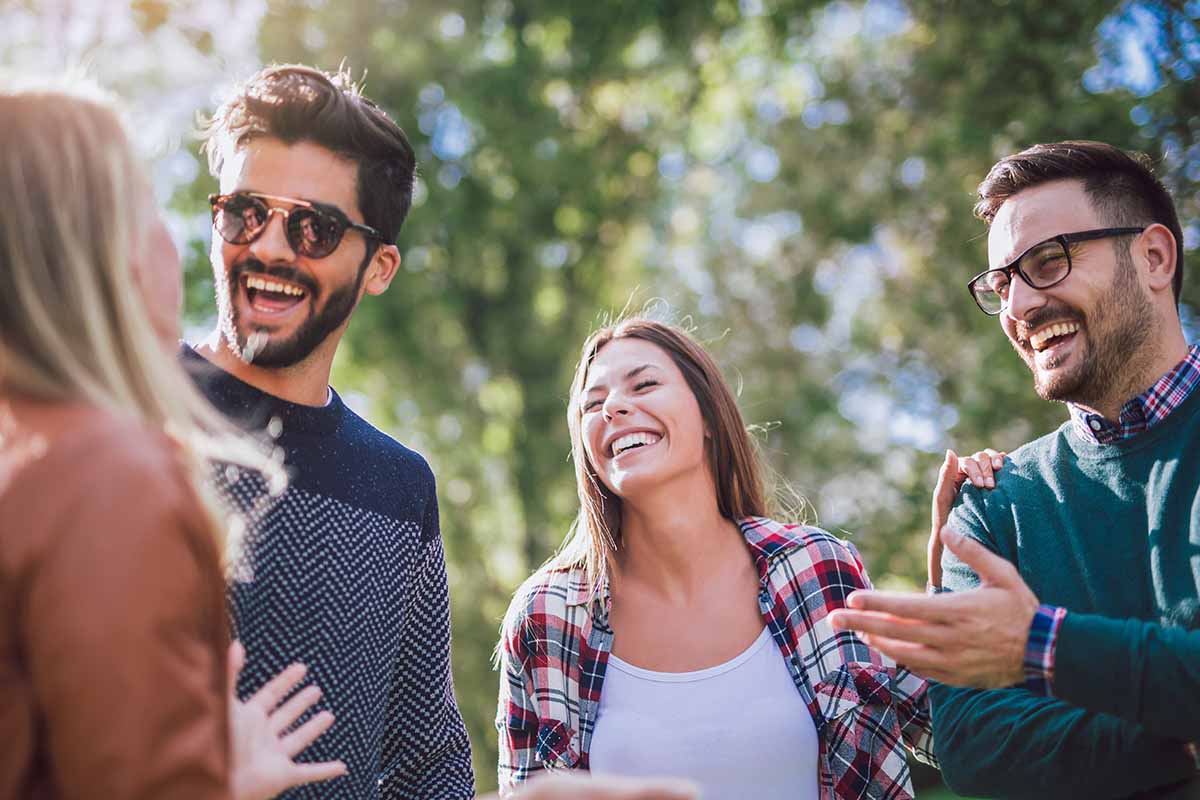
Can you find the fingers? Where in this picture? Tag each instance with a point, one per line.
(939, 608)
(944, 493)
(322, 771)
(981, 467)
(949, 478)
(298, 740)
(235, 662)
(873, 624)
(991, 568)
(283, 717)
(921, 659)
(278, 688)
(607, 787)
(639, 789)
(663, 790)
(978, 469)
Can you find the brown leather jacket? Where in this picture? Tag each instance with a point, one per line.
(112, 621)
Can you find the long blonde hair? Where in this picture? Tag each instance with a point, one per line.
(73, 323)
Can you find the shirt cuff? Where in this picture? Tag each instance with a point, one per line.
(1039, 649)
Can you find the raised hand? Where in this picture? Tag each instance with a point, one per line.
(980, 468)
(263, 748)
(973, 638)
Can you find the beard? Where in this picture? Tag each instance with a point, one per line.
(328, 311)
(1117, 329)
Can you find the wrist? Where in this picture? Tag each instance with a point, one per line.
(1040, 647)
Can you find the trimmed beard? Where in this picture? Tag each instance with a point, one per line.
(1118, 329)
(257, 346)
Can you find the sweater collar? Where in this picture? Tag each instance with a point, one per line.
(256, 410)
(1144, 411)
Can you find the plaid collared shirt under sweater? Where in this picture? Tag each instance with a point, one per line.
(554, 653)
(1138, 415)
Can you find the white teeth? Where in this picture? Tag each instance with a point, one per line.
(273, 286)
(1049, 332)
(629, 440)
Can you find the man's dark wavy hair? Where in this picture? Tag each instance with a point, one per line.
(1121, 186)
(295, 103)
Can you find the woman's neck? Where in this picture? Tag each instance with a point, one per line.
(676, 542)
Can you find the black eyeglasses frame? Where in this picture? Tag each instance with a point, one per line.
(1064, 239)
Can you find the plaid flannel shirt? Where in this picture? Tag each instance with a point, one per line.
(1144, 411)
(1137, 416)
(555, 649)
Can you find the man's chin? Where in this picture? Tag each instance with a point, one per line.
(1063, 386)
(262, 348)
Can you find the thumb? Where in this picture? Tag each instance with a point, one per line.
(236, 660)
(948, 481)
(991, 568)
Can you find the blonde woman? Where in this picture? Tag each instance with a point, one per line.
(681, 631)
(113, 637)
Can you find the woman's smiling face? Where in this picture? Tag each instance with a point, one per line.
(641, 424)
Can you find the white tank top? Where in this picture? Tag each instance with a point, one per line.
(738, 729)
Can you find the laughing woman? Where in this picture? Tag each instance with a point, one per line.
(682, 632)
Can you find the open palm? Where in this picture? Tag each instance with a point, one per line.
(264, 747)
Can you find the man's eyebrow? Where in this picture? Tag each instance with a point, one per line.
(631, 374)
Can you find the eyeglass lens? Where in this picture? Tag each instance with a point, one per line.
(1042, 267)
(311, 233)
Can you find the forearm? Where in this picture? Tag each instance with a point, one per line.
(1009, 743)
(432, 757)
(1139, 671)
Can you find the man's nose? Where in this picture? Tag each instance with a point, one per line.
(1022, 299)
(272, 245)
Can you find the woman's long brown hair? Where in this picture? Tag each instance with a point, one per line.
(736, 468)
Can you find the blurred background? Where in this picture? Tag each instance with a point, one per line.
(791, 180)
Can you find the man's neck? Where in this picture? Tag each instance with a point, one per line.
(1164, 358)
(306, 383)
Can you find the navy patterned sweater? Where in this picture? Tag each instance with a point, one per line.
(346, 574)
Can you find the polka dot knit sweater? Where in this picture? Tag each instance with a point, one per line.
(346, 574)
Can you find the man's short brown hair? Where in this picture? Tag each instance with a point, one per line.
(1121, 186)
(294, 103)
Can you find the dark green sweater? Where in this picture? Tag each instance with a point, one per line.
(1112, 533)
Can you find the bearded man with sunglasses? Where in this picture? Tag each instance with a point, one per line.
(345, 572)
(1069, 624)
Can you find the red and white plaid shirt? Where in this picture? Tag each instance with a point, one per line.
(554, 653)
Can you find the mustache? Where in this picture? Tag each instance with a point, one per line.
(252, 266)
(1040, 317)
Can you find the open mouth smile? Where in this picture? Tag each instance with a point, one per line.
(633, 441)
(1052, 337)
(269, 296)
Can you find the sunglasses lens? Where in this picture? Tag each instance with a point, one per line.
(313, 233)
(240, 218)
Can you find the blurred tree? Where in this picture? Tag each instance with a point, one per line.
(794, 178)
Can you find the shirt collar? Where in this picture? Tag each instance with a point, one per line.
(765, 537)
(1147, 409)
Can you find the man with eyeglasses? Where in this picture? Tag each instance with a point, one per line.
(1069, 620)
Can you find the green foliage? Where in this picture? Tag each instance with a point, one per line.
(796, 183)
(792, 178)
